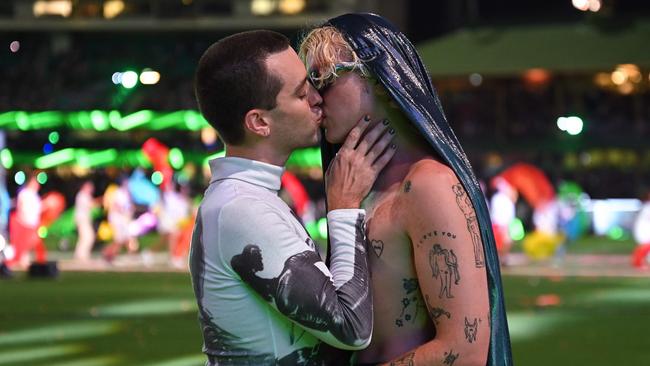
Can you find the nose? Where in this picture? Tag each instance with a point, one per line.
(315, 100)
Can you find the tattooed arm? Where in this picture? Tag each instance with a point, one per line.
(442, 226)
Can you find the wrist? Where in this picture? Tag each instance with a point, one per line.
(337, 204)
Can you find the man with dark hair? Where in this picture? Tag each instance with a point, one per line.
(265, 296)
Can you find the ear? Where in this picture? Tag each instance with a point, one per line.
(257, 122)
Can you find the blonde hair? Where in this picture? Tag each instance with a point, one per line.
(324, 47)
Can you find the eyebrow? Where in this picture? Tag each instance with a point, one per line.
(300, 86)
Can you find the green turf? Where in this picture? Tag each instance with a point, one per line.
(592, 244)
(98, 319)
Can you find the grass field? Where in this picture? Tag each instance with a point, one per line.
(97, 319)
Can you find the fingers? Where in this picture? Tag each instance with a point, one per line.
(371, 137)
(384, 158)
(355, 134)
(380, 145)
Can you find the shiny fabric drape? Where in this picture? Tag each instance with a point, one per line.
(394, 62)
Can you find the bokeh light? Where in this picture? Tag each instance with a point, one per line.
(41, 177)
(129, 79)
(14, 46)
(19, 177)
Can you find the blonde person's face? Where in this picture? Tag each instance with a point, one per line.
(345, 101)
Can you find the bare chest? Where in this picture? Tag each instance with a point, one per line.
(401, 320)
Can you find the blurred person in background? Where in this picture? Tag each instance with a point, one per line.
(173, 209)
(83, 218)
(502, 213)
(264, 294)
(120, 217)
(432, 246)
(24, 224)
(641, 232)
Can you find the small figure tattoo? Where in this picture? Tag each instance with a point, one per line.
(471, 329)
(465, 204)
(436, 312)
(444, 265)
(450, 357)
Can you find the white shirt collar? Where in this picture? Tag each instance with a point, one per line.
(251, 171)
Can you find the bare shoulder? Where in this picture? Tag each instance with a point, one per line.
(428, 176)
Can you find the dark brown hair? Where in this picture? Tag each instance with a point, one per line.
(231, 79)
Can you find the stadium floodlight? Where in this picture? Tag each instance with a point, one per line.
(262, 7)
(149, 77)
(574, 125)
(291, 7)
(129, 79)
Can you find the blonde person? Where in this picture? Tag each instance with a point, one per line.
(435, 271)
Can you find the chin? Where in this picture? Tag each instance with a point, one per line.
(333, 139)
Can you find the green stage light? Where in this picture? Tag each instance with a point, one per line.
(53, 137)
(22, 120)
(133, 120)
(168, 120)
(8, 119)
(176, 158)
(19, 177)
(42, 177)
(55, 158)
(194, 120)
(42, 232)
(45, 120)
(516, 230)
(157, 178)
(6, 158)
(99, 120)
(322, 227)
(89, 160)
(309, 157)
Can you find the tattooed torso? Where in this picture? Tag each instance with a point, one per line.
(401, 322)
(427, 268)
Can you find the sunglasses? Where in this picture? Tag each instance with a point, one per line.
(321, 83)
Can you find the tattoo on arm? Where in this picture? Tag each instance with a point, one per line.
(444, 266)
(465, 205)
(406, 360)
(450, 357)
(471, 329)
(407, 186)
(411, 302)
(436, 312)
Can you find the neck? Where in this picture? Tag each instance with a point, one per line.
(411, 147)
(259, 152)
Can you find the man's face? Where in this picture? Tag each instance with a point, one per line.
(297, 115)
(346, 100)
